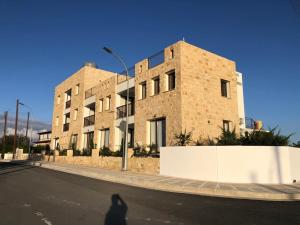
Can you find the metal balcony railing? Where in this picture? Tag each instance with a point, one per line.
(250, 123)
(66, 127)
(89, 120)
(68, 104)
(131, 71)
(121, 110)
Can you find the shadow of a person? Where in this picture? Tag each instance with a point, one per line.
(117, 212)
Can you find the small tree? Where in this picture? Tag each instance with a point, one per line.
(183, 138)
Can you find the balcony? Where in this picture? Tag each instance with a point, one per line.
(121, 111)
(66, 127)
(90, 92)
(89, 120)
(68, 104)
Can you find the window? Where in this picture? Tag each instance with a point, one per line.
(108, 102)
(74, 138)
(225, 88)
(101, 105)
(58, 99)
(56, 121)
(143, 90)
(88, 140)
(158, 133)
(171, 80)
(104, 138)
(67, 118)
(226, 125)
(77, 89)
(141, 68)
(171, 53)
(156, 88)
(75, 114)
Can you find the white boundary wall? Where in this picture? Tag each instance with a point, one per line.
(233, 164)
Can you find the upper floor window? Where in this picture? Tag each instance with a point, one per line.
(58, 99)
(171, 80)
(108, 102)
(171, 53)
(156, 88)
(68, 95)
(75, 114)
(56, 121)
(77, 89)
(101, 105)
(226, 125)
(225, 88)
(143, 90)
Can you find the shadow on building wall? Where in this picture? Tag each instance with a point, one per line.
(116, 214)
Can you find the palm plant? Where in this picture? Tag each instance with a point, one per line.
(228, 138)
(183, 138)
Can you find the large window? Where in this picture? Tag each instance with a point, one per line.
(225, 88)
(156, 87)
(158, 132)
(77, 89)
(171, 80)
(143, 90)
(226, 125)
(74, 138)
(89, 140)
(104, 138)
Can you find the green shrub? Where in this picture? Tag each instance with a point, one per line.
(139, 151)
(267, 138)
(63, 152)
(117, 153)
(228, 137)
(86, 152)
(208, 141)
(296, 144)
(76, 152)
(183, 138)
(105, 151)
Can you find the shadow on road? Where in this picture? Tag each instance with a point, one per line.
(116, 214)
(9, 167)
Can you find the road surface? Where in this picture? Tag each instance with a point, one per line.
(33, 195)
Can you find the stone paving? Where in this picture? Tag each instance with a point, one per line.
(284, 192)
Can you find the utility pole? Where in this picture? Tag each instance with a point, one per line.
(16, 129)
(26, 134)
(4, 132)
(28, 115)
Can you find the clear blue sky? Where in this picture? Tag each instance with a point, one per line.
(43, 42)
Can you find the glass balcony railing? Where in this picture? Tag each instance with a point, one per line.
(68, 104)
(66, 127)
(89, 120)
(121, 110)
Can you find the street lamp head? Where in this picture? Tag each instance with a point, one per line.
(108, 50)
(20, 103)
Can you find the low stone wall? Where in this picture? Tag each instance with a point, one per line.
(136, 164)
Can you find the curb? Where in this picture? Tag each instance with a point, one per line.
(235, 194)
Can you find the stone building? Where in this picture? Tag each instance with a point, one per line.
(182, 87)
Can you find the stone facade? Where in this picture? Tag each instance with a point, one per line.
(195, 104)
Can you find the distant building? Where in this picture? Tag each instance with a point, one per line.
(44, 138)
(182, 87)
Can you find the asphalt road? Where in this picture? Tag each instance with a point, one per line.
(32, 195)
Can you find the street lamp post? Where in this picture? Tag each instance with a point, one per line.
(125, 151)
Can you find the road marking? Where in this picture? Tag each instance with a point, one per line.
(46, 221)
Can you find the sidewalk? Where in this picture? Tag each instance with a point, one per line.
(243, 191)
